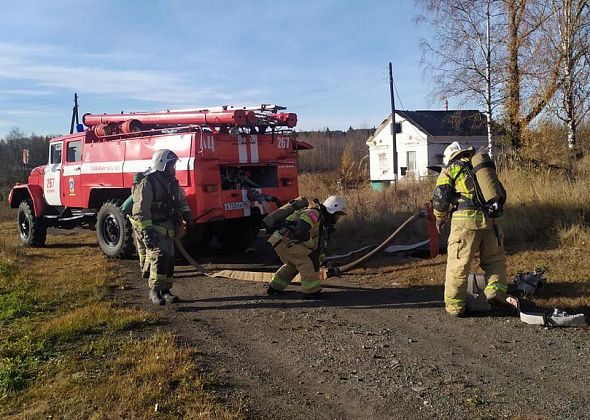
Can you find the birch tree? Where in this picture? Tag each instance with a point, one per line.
(464, 55)
(569, 35)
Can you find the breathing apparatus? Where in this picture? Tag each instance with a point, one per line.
(489, 193)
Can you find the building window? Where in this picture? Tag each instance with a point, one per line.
(411, 161)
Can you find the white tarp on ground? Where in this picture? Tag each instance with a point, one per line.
(407, 247)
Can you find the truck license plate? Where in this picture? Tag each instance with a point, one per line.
(234, 206)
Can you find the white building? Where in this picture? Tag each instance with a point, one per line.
(421, 138)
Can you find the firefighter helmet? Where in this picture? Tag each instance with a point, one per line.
(335, 204)
(161, 158)
(453, 150)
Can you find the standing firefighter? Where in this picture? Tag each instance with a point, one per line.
(159, 205)
(469, 188)
(299, 243)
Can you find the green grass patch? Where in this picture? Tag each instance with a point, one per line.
(15, 304)
(93, 319)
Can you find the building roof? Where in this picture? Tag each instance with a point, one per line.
(448, 123)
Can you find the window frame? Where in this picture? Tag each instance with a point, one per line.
(79, 142)
(52, 149)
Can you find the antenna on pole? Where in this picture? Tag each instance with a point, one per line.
(75, 117)
(393, 128)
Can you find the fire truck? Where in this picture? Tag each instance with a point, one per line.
(235, 165)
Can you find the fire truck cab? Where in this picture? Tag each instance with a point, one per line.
(235, 165)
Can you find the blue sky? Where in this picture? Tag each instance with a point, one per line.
(324, 60)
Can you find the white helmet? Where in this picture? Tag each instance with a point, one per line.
(335, 204)
(161, 158)
(453, 150)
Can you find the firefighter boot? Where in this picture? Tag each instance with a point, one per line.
(156, 297)
(271, 291)
(315, 295)
(168, 296)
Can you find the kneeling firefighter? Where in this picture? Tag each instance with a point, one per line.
(159, 206)
(301, 239)
(469, 189)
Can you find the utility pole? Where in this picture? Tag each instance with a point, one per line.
(393, 133)
(74, 114)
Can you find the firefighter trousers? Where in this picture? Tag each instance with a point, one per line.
(296, 259)
(156, 263)
(464, 243)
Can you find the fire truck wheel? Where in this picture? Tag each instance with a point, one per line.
(114, 231)
(32, 230)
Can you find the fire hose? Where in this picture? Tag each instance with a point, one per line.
(556, 319)
(383, 244)
(265, 276)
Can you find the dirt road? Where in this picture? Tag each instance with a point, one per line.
(372, 352)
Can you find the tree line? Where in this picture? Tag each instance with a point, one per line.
(521, 60)
(333, 150)
(12, 167)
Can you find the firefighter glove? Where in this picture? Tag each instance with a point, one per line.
(333, 271)
(188, 219)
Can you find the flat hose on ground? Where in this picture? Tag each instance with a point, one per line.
(265, 277)
(368, 255)
(228, 274)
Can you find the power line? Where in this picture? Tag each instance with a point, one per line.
(337, 97)
(334, 86)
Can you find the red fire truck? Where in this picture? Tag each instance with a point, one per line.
(233, 162)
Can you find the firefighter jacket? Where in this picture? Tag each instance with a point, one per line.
(466, 212)
(158, 203)
(306, 226)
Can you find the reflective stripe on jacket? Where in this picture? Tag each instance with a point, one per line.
(455, 176)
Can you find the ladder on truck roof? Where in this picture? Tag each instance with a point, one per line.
(263, 116)
(256, 108)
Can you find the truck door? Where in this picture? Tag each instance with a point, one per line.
(71, 190)
(52, 175)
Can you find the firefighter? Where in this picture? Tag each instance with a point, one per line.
(472, 231)
(302, 240)
(159, 207)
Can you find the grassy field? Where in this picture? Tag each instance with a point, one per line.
(68, 349)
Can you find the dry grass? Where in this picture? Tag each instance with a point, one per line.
(543, 203)
(91, 319)
(371, 215)
(63, 350)
(124, 378)
(6, 213)
(545, 207)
